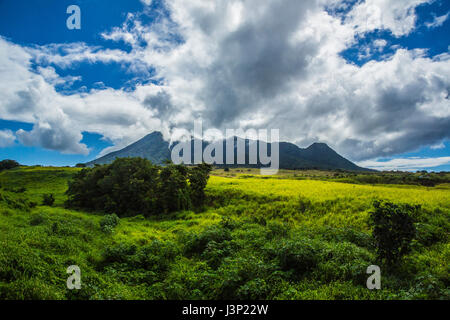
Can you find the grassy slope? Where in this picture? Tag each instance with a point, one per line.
(37, 244)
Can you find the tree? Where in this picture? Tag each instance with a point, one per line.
(8, 164)
(127, 187)
(198, 179)
(173, 188)
(393, 230)
(131, 186)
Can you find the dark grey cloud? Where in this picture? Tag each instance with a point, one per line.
(161, 103)
(257, 61)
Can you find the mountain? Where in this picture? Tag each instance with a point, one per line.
(152, 147)
(317, 156)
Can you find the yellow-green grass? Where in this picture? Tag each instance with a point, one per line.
(326, 190)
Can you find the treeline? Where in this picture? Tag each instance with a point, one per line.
(427, 179)
(131, 186)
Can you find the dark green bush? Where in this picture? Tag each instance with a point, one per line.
(8, 164)
(298, 256)
(109, 222)
(197, 243)
(245, 277)
(145, 264)
(393, 230)
(48, 199)
(119, 253)
(131, 186)
(18, 190)
(198, 178)
(37, 219)
(343, 261)
(428, 234)
(173, 193)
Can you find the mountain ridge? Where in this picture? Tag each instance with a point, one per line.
(317, 156)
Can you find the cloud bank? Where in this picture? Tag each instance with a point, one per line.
(405, 164)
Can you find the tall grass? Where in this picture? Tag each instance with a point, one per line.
(257, 238)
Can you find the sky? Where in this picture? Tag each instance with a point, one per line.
(370, 78)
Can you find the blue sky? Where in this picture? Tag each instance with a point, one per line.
(169, 62)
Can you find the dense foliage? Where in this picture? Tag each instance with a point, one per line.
(131, 186)
(48, 199)
(393, 230)
(254, 238)
(109, 222)
(8, 164)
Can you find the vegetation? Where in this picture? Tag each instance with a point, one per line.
(48, 199)
(420, 178)
(281, 237)
(393, 230)
(131, 186)
(8, 164)
(109, 222)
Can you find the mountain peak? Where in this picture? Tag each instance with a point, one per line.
(319, 145)
(154, 134)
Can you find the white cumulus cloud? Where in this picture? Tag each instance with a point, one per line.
(405, 164)
(7, 138)
(236, 64)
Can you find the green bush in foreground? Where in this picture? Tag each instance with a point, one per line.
(393, 230)
(48, 199)
(109, 222)
(131, 186)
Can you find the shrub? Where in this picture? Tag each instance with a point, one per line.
(138, 265)
(393, 230)
(298, 255)
(118, 254)
(428, 286)
(428, 234)
(18, 190)
(48, 199)
(276, 229)
(109, 222)
(344, 261)
(37, 219)
(244, 277)
(198, 243)
(32, 204)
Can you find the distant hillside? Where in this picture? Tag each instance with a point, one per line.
(152, 147)
(319, 155)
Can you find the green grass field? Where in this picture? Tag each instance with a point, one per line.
(281, 237)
